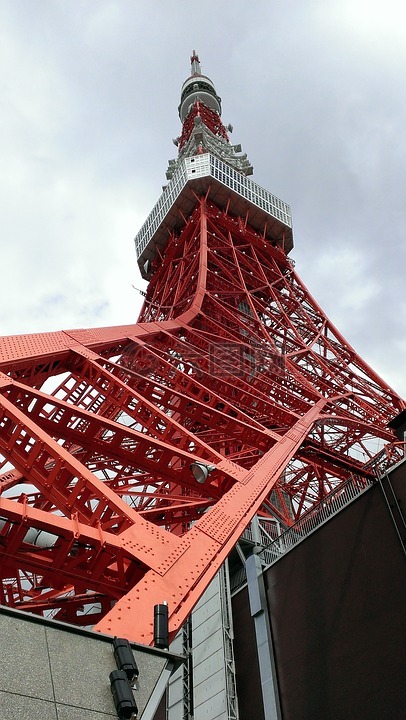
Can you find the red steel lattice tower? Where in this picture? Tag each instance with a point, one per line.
(132, 458)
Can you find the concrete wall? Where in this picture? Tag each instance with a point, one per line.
(51, 671)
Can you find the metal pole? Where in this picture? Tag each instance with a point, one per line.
(266, 659)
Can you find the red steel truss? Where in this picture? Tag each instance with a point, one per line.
(232, 364)
(208, 117)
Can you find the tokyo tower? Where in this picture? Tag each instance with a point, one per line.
(133, 457)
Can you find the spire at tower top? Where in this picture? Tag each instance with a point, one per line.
(198, 86)
(202, 128)
(195, 64)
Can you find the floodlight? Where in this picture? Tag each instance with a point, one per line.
(123, 697)
(124, 658)
(201, 471)
(161, 634)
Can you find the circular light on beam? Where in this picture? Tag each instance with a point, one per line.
(201, 471)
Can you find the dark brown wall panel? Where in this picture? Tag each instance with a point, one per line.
(338, 617)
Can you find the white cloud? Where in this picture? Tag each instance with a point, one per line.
(369, 22)
(89, 107)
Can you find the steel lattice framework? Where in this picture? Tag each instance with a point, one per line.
(232, 365)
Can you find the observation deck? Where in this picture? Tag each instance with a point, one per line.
(203, 174)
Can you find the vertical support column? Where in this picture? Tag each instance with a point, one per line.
(206, 685)
(213, 657)
(187, 670)
(179, 697)
(228, 638)
(259, 612)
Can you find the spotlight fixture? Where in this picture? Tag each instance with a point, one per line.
(201, 471)
(161, 633)
(123, 697)
(124, 658)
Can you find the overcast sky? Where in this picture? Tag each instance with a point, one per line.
(316, 92)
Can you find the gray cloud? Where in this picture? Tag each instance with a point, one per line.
(88, 109)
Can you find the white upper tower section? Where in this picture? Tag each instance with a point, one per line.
(209, 166)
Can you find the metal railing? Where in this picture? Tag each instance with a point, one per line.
(248, 189)
(265, 533)
(308, 523)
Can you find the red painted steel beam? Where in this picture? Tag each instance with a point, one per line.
(182, 579)
(232, 364)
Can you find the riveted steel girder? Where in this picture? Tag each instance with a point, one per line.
(232, 365)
